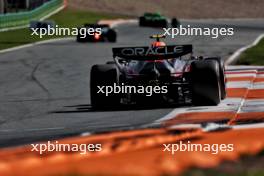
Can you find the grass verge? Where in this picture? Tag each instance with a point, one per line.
(65, 18)
(246, 166)
(253, 56)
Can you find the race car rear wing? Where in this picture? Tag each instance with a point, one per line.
(149, 53)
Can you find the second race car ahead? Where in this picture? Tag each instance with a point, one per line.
(156, 20)
(192, 80)
(104, 33)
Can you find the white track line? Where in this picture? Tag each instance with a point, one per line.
(244, 99)
(248, 126)
(236, 54)
(114, 24)
(13, 28)
(52, 13)
(32, 129)
(86, 134)
(25, 26)
(36, 43)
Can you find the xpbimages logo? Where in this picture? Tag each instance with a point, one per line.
(59, 31)
(188, 30)
(192, 147)
(129, 89)
(58, 147)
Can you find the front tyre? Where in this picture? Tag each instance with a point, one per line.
(111, 35)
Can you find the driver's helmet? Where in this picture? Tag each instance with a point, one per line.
(158, 44)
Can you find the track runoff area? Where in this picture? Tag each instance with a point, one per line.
(160, 150)
(210, 135)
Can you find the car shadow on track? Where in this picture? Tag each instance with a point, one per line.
(84, 108)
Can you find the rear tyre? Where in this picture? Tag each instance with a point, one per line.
(164, 23)
(104, 75)
(111, 35)
(174, 22)
(205, 83)
(221, 64)
(142, 21)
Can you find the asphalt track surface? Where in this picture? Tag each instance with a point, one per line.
(44, 89)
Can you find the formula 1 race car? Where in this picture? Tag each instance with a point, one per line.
(156, 20)
(187, 79)
(98, 33)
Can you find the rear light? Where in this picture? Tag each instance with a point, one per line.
(97, 36)
(177, 74)
(188, 68)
